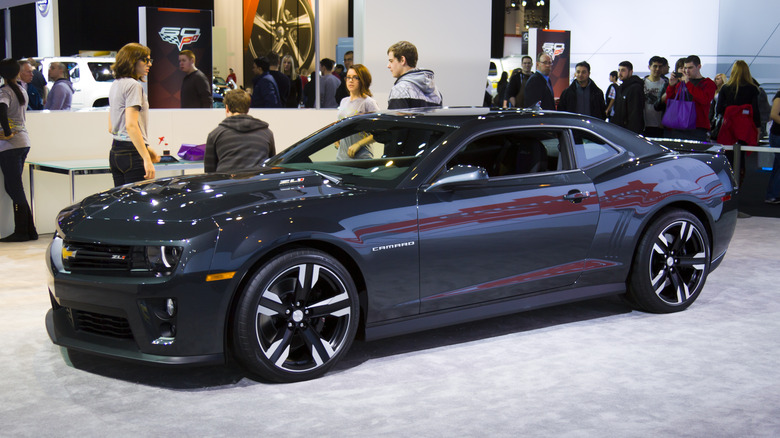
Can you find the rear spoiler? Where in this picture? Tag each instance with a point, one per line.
(681, 145)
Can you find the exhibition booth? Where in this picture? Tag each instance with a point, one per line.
(83, 135)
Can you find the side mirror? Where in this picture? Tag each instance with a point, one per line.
(460, 175)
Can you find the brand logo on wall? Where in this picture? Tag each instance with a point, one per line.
(553, 49)
(179, 36)
(43, 7)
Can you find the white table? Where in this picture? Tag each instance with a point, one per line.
(92, 167)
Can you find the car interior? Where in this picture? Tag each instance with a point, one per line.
(513, 153)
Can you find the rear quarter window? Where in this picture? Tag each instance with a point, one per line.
(590, 149)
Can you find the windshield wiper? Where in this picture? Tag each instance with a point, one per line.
(334, 179)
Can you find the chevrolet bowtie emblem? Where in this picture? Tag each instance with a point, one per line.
(66, 253)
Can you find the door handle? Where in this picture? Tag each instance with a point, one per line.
(576, 196)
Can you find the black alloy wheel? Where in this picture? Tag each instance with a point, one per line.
(296, 317)
(671, 264)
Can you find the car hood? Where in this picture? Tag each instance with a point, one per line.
(193, 197)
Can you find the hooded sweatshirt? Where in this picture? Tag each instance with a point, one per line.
(414, 89)
(60, 96)
(630, 105)
(240, 142)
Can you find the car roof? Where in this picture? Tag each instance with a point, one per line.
(523, 117)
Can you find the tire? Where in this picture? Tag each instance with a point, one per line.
(284, 26)
(296, 317)
(671, 264)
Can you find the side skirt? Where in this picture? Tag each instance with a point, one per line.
(493, 309)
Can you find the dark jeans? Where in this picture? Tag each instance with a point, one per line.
(12, 164)
(125, 163)
(773, 188)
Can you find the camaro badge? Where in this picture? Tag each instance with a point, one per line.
(393, 246)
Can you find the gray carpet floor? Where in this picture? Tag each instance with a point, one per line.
(589, 369)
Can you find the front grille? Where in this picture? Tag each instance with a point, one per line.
(89, 257)
(106, 325)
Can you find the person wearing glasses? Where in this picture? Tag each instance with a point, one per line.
(538, 89)
(131, 159)
(359, 101)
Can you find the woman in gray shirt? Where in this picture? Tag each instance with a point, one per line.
(130, 159)
(359, 101)
(14, 146)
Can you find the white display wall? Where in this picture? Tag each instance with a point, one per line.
(452, 39)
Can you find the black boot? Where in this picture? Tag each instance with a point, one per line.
(21, 222)
(32, 233)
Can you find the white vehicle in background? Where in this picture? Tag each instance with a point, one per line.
(91, 78)
(500, 65)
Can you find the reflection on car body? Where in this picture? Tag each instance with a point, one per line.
(461, 214)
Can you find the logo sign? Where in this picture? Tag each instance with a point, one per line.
(553, 49)
(43, 7)
(179, 36)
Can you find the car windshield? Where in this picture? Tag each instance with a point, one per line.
(219, 81)
(383, 152)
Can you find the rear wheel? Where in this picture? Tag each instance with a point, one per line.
(671, 264)
(296, 317)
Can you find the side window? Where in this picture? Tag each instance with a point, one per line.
(101, 71)
(73, 69)
(514, 152)
(590, 149)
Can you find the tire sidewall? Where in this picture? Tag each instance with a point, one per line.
(246, 348)
(640, 291)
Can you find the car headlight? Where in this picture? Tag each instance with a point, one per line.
(162, 258)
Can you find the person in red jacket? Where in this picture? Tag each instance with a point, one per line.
(702, 90)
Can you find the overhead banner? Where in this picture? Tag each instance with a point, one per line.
(556, 44)
(166, 32)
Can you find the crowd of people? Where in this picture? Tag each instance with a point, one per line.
(682, 105)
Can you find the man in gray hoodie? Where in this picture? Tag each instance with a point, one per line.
(61, 94)
(413, 88)
(240, 142)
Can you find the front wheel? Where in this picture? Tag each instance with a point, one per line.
(671, 264)
(296, 317)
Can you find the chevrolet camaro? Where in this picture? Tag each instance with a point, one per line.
(447, 216)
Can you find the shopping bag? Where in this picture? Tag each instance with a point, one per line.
(192, 152)
(680, 112)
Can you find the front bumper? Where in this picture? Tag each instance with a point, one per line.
(128, 317)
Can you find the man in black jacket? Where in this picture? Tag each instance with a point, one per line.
(583, 95)
(539, 88)
(630, 100)
(195, 86)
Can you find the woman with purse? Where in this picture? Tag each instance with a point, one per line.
(131, 159)
(738, 106)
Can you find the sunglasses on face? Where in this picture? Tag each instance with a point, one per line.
(147, 60)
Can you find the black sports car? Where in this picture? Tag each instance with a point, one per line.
(450, 215)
